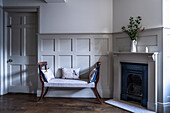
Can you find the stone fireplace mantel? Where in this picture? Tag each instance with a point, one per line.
(144, 58)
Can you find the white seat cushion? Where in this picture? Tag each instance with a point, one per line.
(57, 82)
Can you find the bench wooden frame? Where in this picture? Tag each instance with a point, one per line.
(41, 64)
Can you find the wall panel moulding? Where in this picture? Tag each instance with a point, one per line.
(55, 1)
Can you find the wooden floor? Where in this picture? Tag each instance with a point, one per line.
(26, 103)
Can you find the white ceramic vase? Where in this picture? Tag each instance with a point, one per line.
(133, 46)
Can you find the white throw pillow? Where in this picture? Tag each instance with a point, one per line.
(70, 73)
(48, 74)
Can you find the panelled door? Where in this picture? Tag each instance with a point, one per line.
(22, 52)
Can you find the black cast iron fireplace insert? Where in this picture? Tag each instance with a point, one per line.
(134, 83)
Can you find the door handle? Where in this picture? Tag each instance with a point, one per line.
(10, 60)
(9, 25)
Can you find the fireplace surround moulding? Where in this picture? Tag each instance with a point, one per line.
(143, 58)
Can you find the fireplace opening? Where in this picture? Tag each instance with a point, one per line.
(135, 83)
(134, 87)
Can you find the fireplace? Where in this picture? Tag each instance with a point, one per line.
(143, 65)
(134, 83)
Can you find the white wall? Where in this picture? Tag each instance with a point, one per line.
(166, 63)
(166, 52)
(74, 16)
(77, 16)
(150, 10)
(166, 15)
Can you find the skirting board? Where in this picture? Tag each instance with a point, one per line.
(21, 89)
(163, 107)
(127, 106)
(151, 106)
(74, 93)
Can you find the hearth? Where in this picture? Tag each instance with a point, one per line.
(134, 83)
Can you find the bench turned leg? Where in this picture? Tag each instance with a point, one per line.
(97, 95)
(42, 92)
(45, 91)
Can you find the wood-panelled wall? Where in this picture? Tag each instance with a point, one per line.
(78, 50)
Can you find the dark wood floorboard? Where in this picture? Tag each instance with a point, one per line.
(27, 103)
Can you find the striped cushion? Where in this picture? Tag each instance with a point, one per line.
(92, 76)
(47, 75)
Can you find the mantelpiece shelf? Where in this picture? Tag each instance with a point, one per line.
(153, 55)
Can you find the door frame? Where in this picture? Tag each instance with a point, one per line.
(1, 51)
(7, 10)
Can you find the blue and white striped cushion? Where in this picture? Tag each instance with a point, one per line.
(92, 76)
(48, 75)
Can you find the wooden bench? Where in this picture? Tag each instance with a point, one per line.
(69, 83)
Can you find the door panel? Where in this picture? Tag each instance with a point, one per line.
(15, 20)
(30, 42)
(22, 50)
(30, 77)
(15, 75)
(15, 41)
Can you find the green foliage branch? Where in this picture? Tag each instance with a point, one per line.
(133, 28)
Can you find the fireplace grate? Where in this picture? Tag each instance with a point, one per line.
(134, 83)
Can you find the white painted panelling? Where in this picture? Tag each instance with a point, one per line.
(79, 51)
(83, 45)
(148, 41)
(65, 61)
(51, 61)
(122, 44)
(83, 62)
(47, 45)
(101, 45)
(148, 38)
(65, 45)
